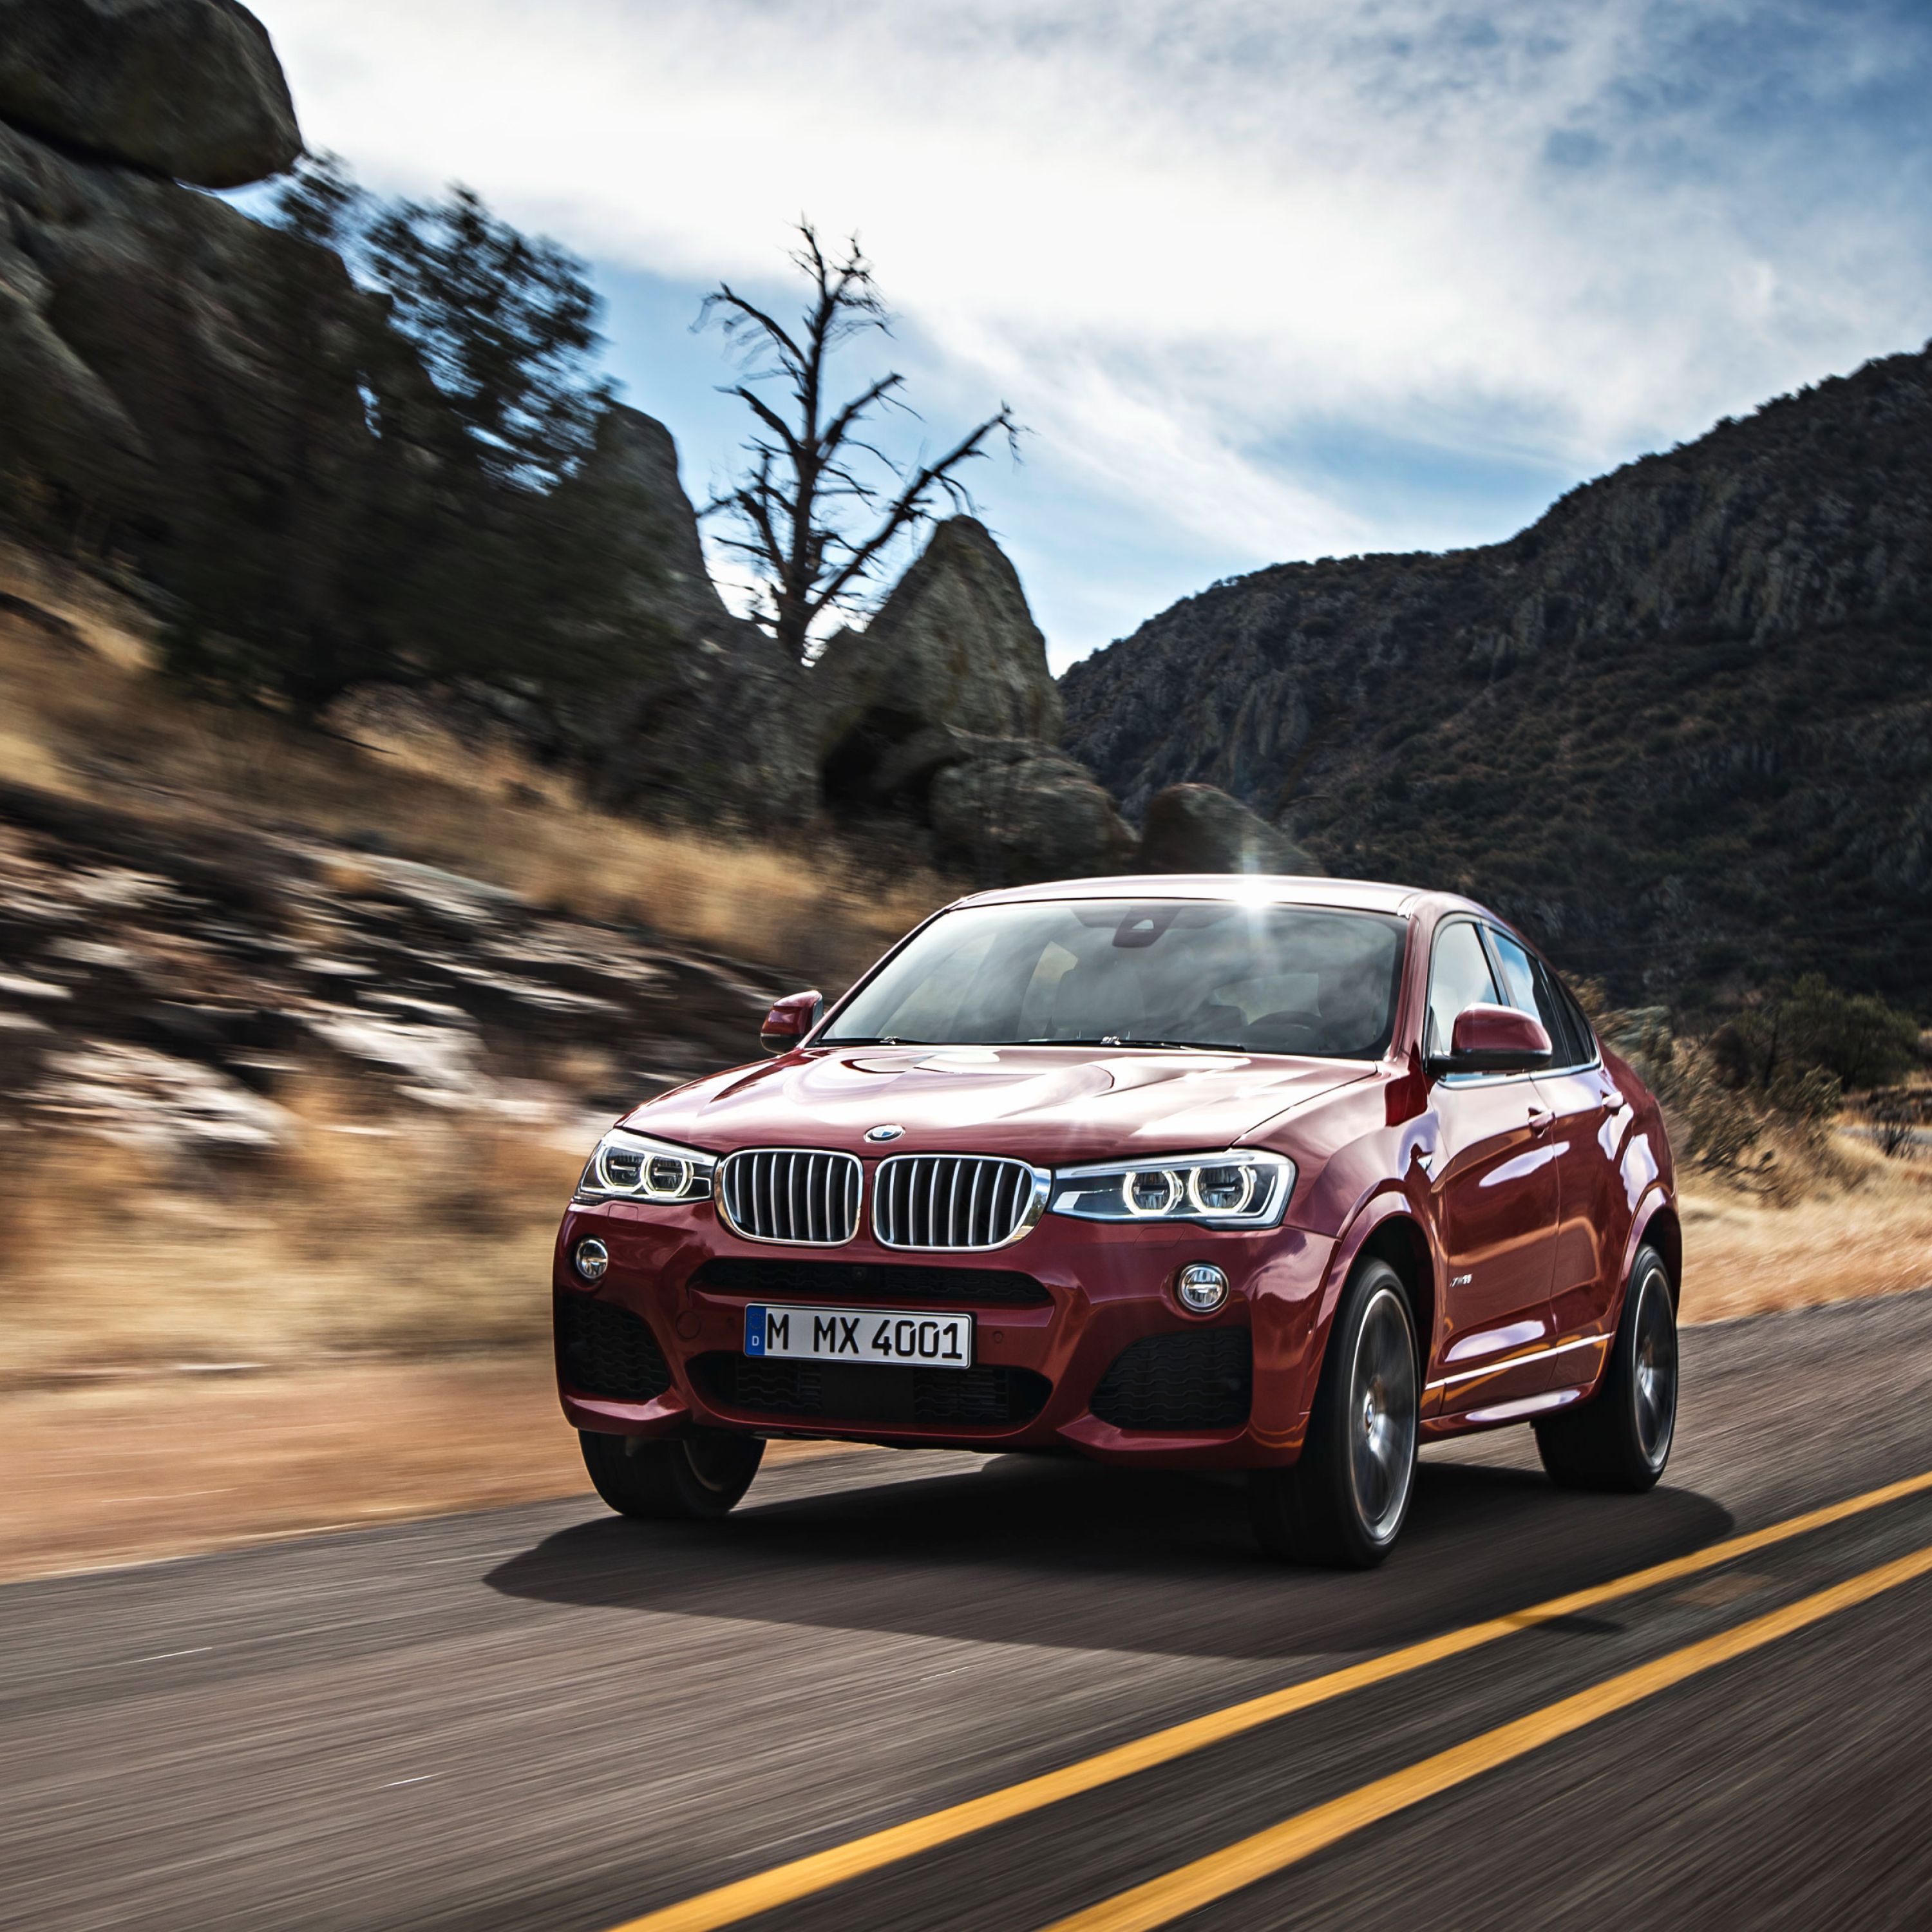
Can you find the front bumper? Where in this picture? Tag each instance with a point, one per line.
(1106, 1287)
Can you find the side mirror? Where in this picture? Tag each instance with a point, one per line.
(790, 1021)
(1493, 1039)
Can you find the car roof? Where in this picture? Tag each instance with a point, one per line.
(1268, 888)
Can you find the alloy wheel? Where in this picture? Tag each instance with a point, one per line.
(1654, 1384)
(1382, 1415)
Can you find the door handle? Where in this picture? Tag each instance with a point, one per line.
(1539, 1118)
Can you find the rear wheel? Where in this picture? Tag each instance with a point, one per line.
(701, 1476)
(1621, 1437)
(1344, 1502)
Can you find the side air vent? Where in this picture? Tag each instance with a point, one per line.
(1199, 1379)
(791, 1194)
(935, 1201)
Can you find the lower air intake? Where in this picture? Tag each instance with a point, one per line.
(1201, 1378)
(840, 1392)
(604, 1350)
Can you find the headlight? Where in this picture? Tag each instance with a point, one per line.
(633, 1167)
(1240, 1188)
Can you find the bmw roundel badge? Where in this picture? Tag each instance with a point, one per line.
(883, 1133)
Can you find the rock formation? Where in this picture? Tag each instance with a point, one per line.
(954, 647)
(164, 360)
(719, 732)
(939, 715)
(192, 389)
(189, 88)
(942, 709)
(1680, 727)
(179, 383)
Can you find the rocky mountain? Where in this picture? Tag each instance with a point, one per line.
(1680, 727)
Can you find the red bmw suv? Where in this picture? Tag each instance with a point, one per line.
(1280, 1174)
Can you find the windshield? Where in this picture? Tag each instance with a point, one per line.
(1253, 978)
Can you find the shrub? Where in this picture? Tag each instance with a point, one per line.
(1812, 1028)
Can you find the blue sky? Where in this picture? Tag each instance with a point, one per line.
(1265, 281)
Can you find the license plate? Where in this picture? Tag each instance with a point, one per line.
(861, 1335)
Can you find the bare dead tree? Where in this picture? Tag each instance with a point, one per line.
(814, 478)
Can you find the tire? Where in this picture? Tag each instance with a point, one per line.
(1620, 1438)
(699, 1477)
(1343, 1504)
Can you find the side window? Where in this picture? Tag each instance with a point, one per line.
(1527, 985)
(1459, 976)
(1584, 1047)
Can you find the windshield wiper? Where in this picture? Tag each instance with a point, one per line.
(876, 1039)
(1123, 1040)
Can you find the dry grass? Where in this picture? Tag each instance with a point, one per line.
(1861, 1225)
(90, 719)
(412, 1233)
(375, 1232)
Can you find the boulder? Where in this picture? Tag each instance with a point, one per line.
(190, 88)
(179, 374)
(954, 647)
(1011, 811)
(186, 384)
(1199, 828)
(942, 712)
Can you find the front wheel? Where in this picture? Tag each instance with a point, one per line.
(1344, 1502)
(1621, 1437)
(698, 1477)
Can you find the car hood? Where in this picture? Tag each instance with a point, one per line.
(1048, 1105)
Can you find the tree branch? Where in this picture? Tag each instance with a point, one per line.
(911, 502)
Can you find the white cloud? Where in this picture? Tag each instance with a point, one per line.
(1175, 235)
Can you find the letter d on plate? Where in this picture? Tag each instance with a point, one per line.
(754, 1331)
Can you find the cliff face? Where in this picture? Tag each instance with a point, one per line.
(1680, 727)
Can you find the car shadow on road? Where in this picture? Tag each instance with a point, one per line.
(1022, 1550)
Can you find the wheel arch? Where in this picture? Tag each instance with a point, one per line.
(1398, 1240)
(1657, 1226)
(1386, 1229)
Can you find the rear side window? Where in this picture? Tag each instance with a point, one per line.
(1459, 976)
(1526, 988)
(1583, 1042)
(1528, 985)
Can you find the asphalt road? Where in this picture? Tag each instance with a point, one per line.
(546, 1716)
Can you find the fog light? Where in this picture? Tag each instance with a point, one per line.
(590, 1259)
(1201, 1287)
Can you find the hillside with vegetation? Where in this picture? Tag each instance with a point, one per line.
(1680, 728)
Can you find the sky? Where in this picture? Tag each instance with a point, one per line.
(1263, 281)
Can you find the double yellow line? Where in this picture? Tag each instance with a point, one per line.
(1235, 1866)
(1241, 1864)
